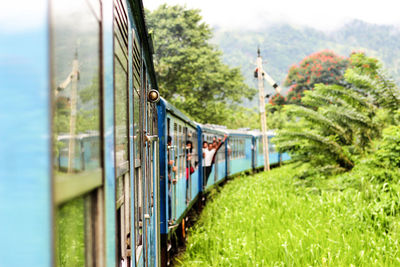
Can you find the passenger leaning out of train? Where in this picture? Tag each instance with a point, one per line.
(189, 167)
(171, 166)
(209, 156)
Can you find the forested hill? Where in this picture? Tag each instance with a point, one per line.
(283, 45)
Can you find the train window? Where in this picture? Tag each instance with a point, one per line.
(237, 147)
(234, 148)
(138, 179)
(121, 119)
(260, 146)
(76, 140)
(232, 145)
(271, 146)
(121, 88)
(242, 148)
(195, 153)
(121, 114)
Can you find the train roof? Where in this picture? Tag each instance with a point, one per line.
(213, 128)
(257, 133)
(145, 38)
(173, 110)
(238, 132)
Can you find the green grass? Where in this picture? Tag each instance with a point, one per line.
(274, 219)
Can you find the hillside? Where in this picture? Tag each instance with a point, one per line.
(283, 45)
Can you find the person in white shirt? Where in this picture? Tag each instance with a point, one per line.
(208, 156)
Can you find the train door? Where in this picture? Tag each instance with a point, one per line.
(255, 146)
(175, 159)
(195, 164)
(189, 163)
(204, 139)
(180, 186)
(149, 171)
(216, 160)
(151, 185)
(228, 154)
(170, 156)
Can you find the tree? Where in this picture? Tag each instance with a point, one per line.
(335, 124)
(190, 71)
(322, 67)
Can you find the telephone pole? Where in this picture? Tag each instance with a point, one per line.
(263, 116)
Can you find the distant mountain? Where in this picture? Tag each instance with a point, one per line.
(282, 45)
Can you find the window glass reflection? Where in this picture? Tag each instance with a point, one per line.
(76, 87)
(121, 114)
(75, 63)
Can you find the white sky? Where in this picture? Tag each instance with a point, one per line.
(320, 14)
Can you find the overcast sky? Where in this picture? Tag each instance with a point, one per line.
(320, 14)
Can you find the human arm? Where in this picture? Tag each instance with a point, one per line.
(220, 143)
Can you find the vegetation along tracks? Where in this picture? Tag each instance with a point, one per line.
(276, 219)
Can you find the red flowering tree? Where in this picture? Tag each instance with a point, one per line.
(322, 67)
(277, 99)
(275, 103)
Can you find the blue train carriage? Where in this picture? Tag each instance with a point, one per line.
(179, 170)
(240, 151)
(218, 169)
(274, 156)
(81, 179)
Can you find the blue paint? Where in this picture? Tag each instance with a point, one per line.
(108, 116)
(25, 163)
(200, 146)
(162, 133)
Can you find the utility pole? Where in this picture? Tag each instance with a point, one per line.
(263, 116)
(72, 79)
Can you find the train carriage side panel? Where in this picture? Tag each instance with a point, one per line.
(182, 193)
(241, 153)
(25, 190)
(273, 154)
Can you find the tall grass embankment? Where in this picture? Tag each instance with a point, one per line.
(276, 219)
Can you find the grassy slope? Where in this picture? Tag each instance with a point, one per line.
(276, 220)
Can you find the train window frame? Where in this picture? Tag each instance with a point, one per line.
(138, 189)
(122, 120)
(80, 186)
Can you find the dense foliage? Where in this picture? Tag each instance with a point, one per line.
(321, 67)
(189, 69)
(335, 125)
